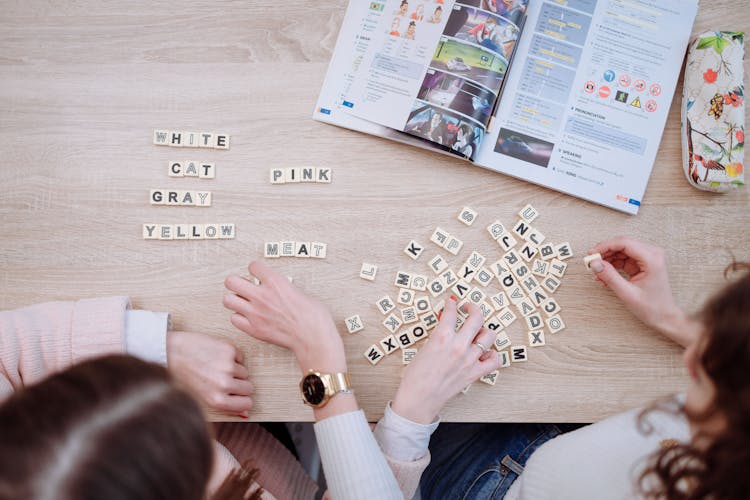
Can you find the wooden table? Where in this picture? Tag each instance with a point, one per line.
(83, 85)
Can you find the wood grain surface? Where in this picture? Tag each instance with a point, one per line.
(82, 86)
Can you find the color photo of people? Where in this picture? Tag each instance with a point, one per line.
(482, 28)
(451, 91)
(409, 16)
(444, 128)
(513, 10)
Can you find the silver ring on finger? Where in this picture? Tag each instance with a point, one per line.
(484, 349)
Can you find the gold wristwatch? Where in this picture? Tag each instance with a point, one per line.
(318, 388)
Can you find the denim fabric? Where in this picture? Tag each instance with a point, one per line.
(467, 458)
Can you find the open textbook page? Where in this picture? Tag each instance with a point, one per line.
(433, 69)
(586, 101)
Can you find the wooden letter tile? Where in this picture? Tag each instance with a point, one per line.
(405, 297)
(221, 141)
(207, 171)
(522, 229)
(422, 303)
(389, 344)
(166, 232)
(413, 250)
(436, 287)
(467, 216)
(385, 305)
(374, 354)
(318, 250)
(506, 242)
(403, 279)
(564, 251)
(490, 378)
(540, 268)
(418, 282)
(408, 355)
(547, 252)
(354, 324)
(528, 213)
(181, 231)
(278, 176)
(161, 137)
(496, 229)
(536, 338)
(476, 295)
(587, 260)
(325, 175)
(454, 245)
(438, 264)
(534, 321)
(302, 249)
(525, 307)
(440, 237)
(392, 323)
(484, 277)
(287, 249)
(550, 307)
(150, 232)
(555, 324)
(368, 271)
(476, 260)
(175, 169)
(550, 283)
(506, 317)
(504, 359)
(502, 341)
(518, 354)
(409, 315)
(528, 252)
(557, 268)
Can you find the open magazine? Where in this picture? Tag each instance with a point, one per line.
(569, 94)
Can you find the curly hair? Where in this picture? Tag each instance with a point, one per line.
(719, 470)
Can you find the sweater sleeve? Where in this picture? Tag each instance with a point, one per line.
(355, 467)
(404, 444)
(41, 339)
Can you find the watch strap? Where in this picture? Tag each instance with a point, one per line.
(340, 383)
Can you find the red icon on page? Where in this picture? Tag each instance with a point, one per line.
(655, 90)
(604, 92)
(639, 85)
(589, 87)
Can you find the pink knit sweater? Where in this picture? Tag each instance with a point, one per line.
(42, 339)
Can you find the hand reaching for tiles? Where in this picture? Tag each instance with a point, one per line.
(644, 289)
(212, 368)
(447, 363)
(279, 313)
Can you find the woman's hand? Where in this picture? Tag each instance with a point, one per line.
(277, 312)
(645, 291)
(212, 368)
(445, 365)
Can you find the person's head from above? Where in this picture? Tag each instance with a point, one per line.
(404, 7)
(435, 119)
(437, 14)
(412, 28)
(717, 403)
(463, 133)
(113, 427)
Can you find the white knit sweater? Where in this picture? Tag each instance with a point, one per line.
(602, 460)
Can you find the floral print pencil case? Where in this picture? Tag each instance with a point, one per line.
(713, 112)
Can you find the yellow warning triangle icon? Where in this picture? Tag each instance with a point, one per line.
(636, 102)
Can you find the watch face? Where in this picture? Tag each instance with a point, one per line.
(313, 389)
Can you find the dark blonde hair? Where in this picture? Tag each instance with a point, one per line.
(110, 428)
(720, 470)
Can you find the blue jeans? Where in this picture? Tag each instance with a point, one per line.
(480, 460)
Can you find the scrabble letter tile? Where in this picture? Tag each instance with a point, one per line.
(150, 232)
(587, 260)
(518, 354)
(467, 216)
(555, 324)
(528, 213)
(368, 271)
(536, 338)
(413, 250)
(388, 344)
(385, 305)
(278, 176)
(161, 137)
(354, 324)
(373, 354)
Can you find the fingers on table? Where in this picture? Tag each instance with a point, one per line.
(237, 304)
(241, 286)
(472, 324)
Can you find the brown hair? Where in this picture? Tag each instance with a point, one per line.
(114, 427)
(720, 469)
